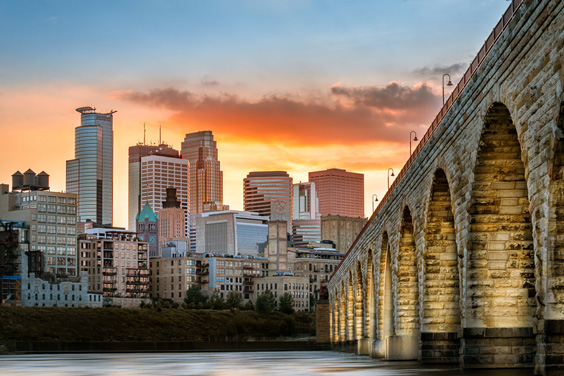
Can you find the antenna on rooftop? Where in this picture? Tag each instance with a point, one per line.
(144, 133)
(160, 127)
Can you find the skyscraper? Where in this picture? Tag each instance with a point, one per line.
(158, 173)
(172, 219)
(306, 225)
(206, 178)
(269, 193)
(135, 154)
(339, 192)
(90, 174)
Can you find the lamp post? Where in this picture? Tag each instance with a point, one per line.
(389, 176)
(414, 139)
(449, 83)
(374, 199)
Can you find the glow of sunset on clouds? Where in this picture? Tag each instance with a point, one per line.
(297, 86)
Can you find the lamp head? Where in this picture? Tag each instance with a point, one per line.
(415, 138)
(449, 83)
(393, 174)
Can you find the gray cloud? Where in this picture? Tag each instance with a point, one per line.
(393, 96)
(439, 70)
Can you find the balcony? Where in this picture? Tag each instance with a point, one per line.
(110, 289)
(202, 273)
(109, 271)
(138, 273)
(248, 283)
(248, 267)
(248, 290)
(203, 282)
(248, 275)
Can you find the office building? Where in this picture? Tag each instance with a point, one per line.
(172, 220)
(206, 178)
(342, 231)
(51, 217)
(281, 283)
(134, 171)
(90, 173)
(305, 202)
(172, 276)
(231, 232)
(306, 224)
(269, 193)
(339, 192)
(158, 173)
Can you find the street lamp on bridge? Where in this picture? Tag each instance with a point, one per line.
(374, 199)
(414, 139)
(389, 176)
(449, 83)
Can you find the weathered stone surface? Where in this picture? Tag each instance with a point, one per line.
(471, 240)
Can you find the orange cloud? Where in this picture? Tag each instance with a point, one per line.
(348, 115)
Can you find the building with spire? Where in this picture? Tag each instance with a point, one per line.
(90, 173)
(172, 220)
(148, 229)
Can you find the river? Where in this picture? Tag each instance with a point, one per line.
(288, 363)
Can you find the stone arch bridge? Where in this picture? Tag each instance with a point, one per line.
(463, 261)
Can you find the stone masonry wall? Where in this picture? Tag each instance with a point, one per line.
(501, 150)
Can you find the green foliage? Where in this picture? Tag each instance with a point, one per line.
(122, 324)
(249, 306)
(265, 302)
(215, 301)
(234, 300)
(286, 303)
(194, 297)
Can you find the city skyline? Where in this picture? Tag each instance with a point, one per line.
(277, 87)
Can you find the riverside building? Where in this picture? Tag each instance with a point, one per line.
(117, 265)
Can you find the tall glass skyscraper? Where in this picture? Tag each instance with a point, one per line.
(90, 174)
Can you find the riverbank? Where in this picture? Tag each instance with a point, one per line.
(42, 329)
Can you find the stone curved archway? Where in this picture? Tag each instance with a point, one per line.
(441, 291)
(500, 296)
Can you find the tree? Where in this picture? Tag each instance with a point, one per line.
(265, 302)
(194, 297)
(234, 300)
(216, 301)
(286, 303)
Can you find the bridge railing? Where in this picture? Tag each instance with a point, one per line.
(459, 88)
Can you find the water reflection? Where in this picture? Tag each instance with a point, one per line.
(225, 364)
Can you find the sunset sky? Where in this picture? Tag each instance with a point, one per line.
(295, 85)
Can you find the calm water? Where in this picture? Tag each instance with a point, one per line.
(223, 364)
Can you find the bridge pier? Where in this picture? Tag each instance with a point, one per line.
(378, 349)
(553, 340)
(405, 347)
(440, 348)
(364, 346)
(498, 348)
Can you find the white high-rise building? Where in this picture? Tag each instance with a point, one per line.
(90, 174)
(306, 226)
(159, 173)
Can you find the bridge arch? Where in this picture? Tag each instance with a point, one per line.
(408, 289)
(441, 288)
(384, 304)
(358, 303)
(500, 265)
(369, 295)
